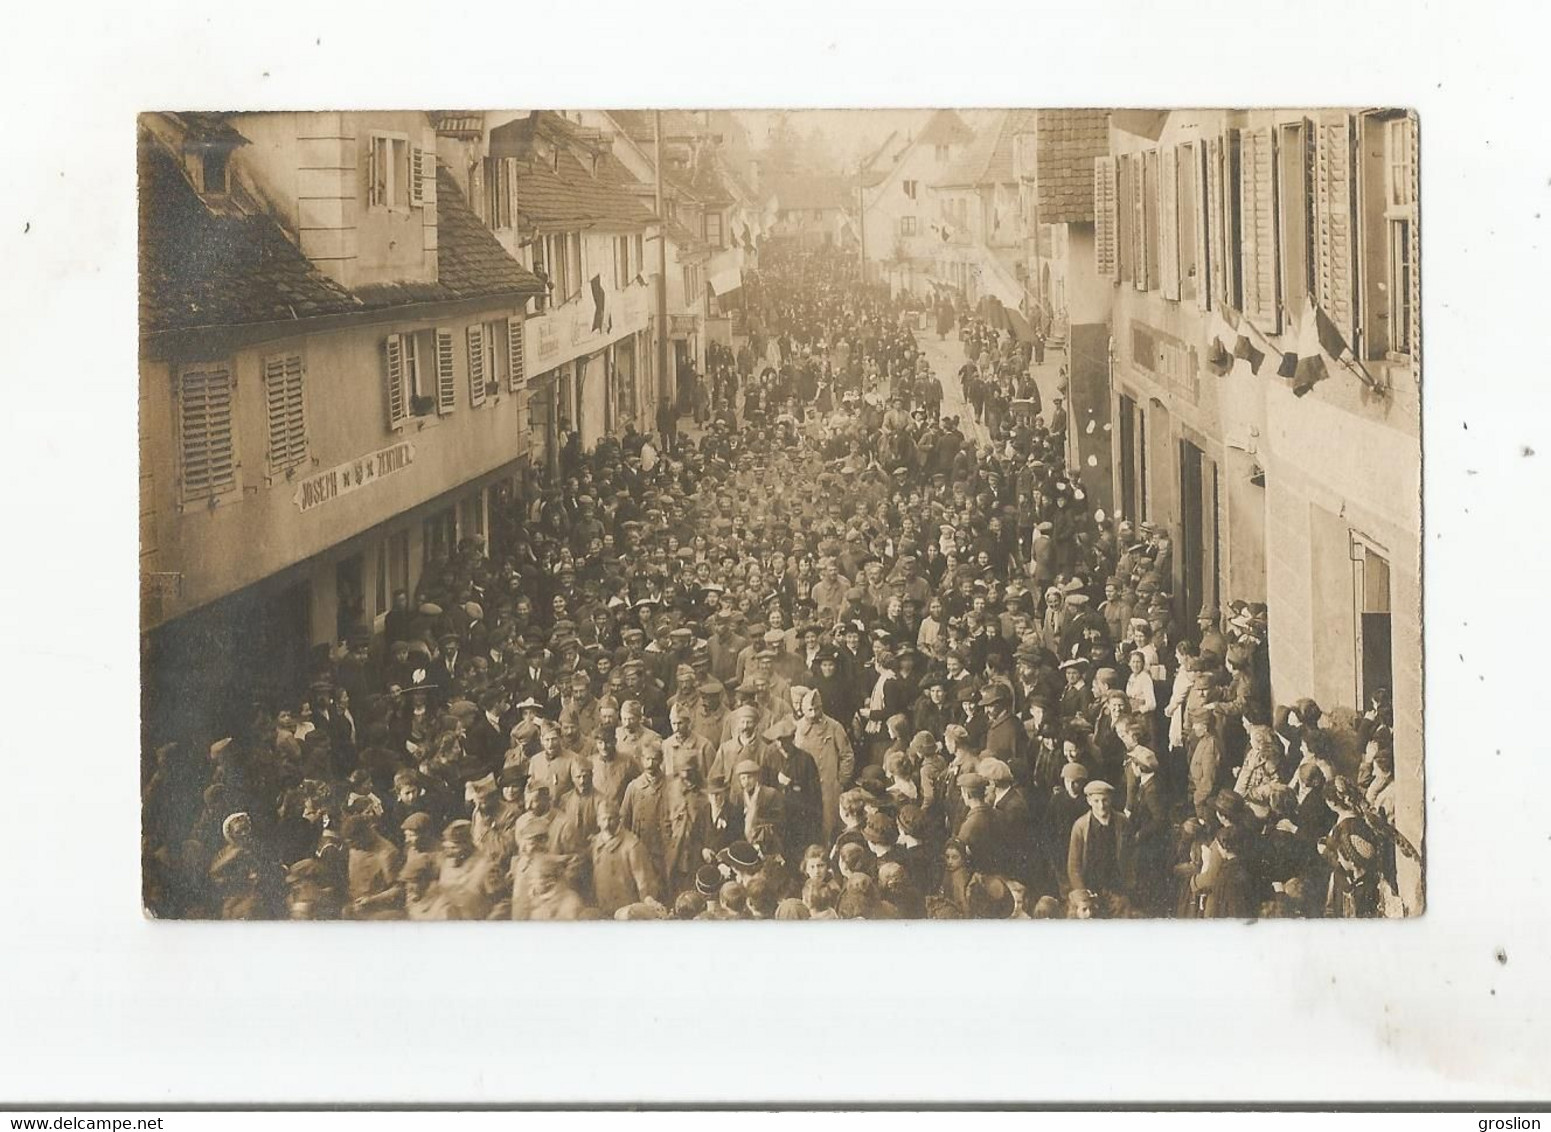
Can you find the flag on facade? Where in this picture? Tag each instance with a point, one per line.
(1218, 360)
(1309, 373)
(1288, 366)
(598, 297)
(1230, 315)
(1245, 349)
(1330, 339)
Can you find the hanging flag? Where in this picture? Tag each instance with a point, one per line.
(598, 298)
(1330, 339)
(1288, 366)
(1245, 349)
(1218, 360)
(1230, 315)
(1310, 372)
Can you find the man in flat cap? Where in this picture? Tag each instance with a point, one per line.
(1100, 852)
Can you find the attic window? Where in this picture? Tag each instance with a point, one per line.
(213, 170)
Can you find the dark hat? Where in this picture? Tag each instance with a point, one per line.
(740, 855)
(995, 693)
(708, 881)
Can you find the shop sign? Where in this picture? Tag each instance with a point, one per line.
(327, 486)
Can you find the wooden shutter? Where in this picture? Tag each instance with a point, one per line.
(416, 176)
(1215, 244)
(516, 359)
(284, 400)
(446, 379)
(398, 409)
(1412, 128)
(205, 432)
(1105, 258)
(1125, 254)
(1257, 220)
(1199, 202)
(1233, 295)
(1168, 222)
(1142, 270)
(476, 339)
(373, 156)
(1333, 224)
(509, 166)
(477, 189)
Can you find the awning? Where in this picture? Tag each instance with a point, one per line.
(726, 282)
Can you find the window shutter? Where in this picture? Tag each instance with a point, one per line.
(1412, 128)
(1125, 259)
(509, 164)
(1168, 222)
(1104, 218)
(1257, 220)
(446, 380)
(1141, 270)
(428, 169)
(1333, 225)
(373, 155)
(476, 338)
(1203, 227)
(397, 407)
(284, 400)
(417, 176)
(1215, 244)
(205, 433)
(516, 361)
(477, 189)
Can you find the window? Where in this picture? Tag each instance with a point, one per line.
(941, 153)
(411, 387)
(640, 254)
(1151, 253)
(1233, 237)
(1189, 192)
(1258, 230)
(713, 229)
(1104, 211)
(539, 264)
(1125, 215)
(387, 171)
(910, 188)
(213, 170)
(622, 265)
(205, 439)
(907, 225)
(285, 402)
(1168, 222)
(500, 186)
(1401, 232)
(1371, 599)
(1292, 187)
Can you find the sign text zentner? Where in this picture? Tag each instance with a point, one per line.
(327, 486)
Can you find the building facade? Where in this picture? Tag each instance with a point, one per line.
(332, 386)
(898, 209)
(1266, 391)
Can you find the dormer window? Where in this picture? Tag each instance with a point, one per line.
(213, 171)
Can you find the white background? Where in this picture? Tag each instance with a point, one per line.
(98, 1004)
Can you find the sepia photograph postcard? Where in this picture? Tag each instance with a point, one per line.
(699, 514)
(915, 470)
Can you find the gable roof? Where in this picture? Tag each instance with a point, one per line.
(945, 127)
(470, 261)
(201, 269)
(560, 192)
(1068, 141)
(988, 160)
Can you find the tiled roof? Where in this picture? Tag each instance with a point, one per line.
(1068, 141)
(470, 261)
(945, 127)
(639, 126)
(458, 123)
(198, 269)
(200, 128)
(563, 193)
(989, 160)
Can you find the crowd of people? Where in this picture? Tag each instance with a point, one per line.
(830, 653)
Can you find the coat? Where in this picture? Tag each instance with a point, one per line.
(622, 872)
(1079, 850)
(828, 745)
